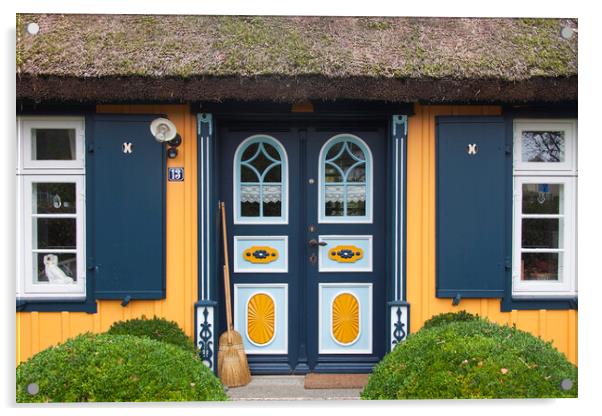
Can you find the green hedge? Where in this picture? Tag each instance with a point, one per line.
(471, 358)
(158, 329)
(116, 368)
(446, 318)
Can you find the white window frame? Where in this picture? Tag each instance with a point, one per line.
(27, 124)
(564, 173)
(569, 127)
(61, 171)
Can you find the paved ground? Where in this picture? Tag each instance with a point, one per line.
(287, 388)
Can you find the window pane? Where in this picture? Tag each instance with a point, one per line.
(54, 198)
(60, 268)
(334, 197)
(272, 209)
(344, 161)
(356, 200)
(53, 144)
(274, 174)
(543, 146)
(249, 152)
(249, 209)
(55, 233)
(334, 150)
(332, 173)
(261, 162)
(356, 151)
(272, 197)
(357, 174)
(542, 198)
(249, 200)
(271, 151)
(540, 266)
(247, 174)
(541, 233)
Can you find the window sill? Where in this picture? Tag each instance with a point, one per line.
(56, 305)
(510, 303)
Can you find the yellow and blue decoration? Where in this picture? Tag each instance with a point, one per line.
(260, 254)
(345, 254)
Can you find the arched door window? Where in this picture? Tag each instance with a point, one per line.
(345, 180)
(261, 175)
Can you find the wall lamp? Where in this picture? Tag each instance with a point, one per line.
(164, 131)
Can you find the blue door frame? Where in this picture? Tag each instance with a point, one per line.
(390, 311)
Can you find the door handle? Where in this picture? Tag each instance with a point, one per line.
(313, 243)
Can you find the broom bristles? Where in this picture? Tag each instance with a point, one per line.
(232, 366)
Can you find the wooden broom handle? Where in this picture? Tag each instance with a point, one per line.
(226, 268)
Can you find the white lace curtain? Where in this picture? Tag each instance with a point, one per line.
(271, 193)
(355, 193)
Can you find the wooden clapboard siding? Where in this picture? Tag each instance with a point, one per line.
(558, 326)
(39, 330)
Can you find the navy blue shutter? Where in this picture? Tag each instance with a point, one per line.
(471, 205)
(127, 202)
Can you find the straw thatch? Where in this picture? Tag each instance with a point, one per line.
(191, 58)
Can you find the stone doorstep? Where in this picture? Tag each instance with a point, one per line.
(278, 388)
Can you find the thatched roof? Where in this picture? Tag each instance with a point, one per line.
(192, 58)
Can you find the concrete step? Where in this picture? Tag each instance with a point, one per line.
(271, 388)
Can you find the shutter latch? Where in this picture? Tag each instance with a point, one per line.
(456, 300)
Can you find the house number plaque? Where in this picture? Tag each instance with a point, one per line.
(176, 175)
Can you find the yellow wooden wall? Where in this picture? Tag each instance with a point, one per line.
(36, 331)
(39, 330)
(560, 327)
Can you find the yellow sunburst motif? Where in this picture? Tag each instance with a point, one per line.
(345, 318)
(260, 319)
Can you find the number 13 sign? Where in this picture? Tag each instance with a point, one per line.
(176, 175)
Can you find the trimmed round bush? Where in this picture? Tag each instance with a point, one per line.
(446, 318)
(116, 368)
(471, 359)
(158, 329)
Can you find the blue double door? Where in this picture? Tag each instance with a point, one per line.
(306, 217)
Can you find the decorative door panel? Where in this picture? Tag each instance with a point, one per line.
(307, 244)
(260, 254)
(345, 318)
(345, 253)
(263, 210)
(346, 246)
(260, 315)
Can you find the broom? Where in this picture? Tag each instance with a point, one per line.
(232, 366)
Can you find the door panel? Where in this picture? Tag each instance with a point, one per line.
(346, 330)
(303, 305)
(264, 271)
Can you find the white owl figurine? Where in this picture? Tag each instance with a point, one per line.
(52, 270)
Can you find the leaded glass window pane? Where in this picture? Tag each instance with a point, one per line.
(260, 179)
(346, 169)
